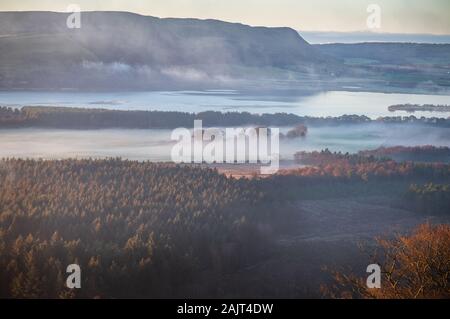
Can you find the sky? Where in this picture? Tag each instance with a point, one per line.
(396, 16)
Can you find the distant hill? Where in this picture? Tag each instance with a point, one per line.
(126, 50)
(390, 53)
(321, 37)
(419, 66)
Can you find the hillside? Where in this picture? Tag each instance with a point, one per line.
(127, 51)
(124, 50)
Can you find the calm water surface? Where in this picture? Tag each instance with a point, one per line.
(155, 145)
(333, 103)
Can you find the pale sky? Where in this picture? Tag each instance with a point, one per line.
(397, 16)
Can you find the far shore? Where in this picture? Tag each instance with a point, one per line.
(417, 107)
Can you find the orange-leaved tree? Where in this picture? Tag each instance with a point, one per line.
(413, 266)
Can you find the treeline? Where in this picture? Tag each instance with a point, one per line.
(136, 229)
(83, 118)
(430, 198)
(419, 107)
(338, 174)
(356, 166)
(425, 153)
(326, 157)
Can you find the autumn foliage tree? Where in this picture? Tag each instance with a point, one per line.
(414, 266)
